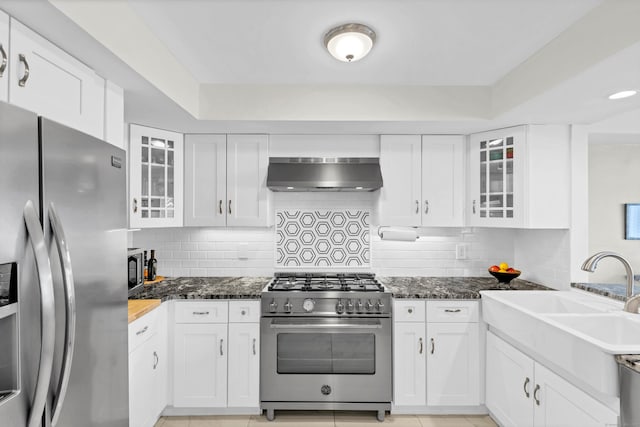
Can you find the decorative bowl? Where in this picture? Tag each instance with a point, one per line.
(504, 277)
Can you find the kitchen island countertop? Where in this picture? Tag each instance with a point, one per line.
(451, 287)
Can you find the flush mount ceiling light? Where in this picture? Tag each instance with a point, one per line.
(349, 42)
(623, 94)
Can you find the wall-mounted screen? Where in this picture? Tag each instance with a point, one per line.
(632, 221)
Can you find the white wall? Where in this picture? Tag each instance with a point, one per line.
(614, 179)
(215, 252)
(543, 256)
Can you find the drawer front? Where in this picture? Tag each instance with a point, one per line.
(140, 330)
(408, 310)
(452, 311)
(202, 312)
(244, 311)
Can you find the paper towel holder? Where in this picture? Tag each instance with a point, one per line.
(379, 231)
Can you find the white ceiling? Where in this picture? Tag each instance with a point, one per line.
(419, 42)
(454, 66)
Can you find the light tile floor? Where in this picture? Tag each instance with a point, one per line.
(329, 419)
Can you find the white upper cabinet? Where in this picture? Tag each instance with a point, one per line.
(423, 180)
(519, 177)
(155, 177)
(247, 164)
(442, 180)
(400, 195)
(4, 56)
(205, 180)
(48, 81)
(225, 180)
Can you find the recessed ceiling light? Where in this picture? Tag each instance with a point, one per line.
(623, 94)
(349, 42)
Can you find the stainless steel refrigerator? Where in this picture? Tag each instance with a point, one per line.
(63, 291)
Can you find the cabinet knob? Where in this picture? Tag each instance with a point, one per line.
(220, 207)
(243, 312)
(229, 207)
(426, 206)
(417, 206)
(420, 345)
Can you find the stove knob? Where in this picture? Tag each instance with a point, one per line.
(369, 305)
(349, 306)
(287, 307)
(273, 306)
(308, 304)
(339, 307)
(359, 306)
(380, 306)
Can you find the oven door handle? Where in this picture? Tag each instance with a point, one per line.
(376, 325)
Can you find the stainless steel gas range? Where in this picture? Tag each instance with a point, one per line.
(325, 343)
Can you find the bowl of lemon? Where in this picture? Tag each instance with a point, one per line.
(503, 272)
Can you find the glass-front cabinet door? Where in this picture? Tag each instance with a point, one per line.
(155, 178)
(495, 173)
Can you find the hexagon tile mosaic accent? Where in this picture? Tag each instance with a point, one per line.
(322, 239)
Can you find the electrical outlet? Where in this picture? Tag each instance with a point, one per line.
(243, 251)
(461, 251)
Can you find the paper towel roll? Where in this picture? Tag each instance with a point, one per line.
(404, 234)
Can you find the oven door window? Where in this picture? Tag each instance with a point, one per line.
(326, 353)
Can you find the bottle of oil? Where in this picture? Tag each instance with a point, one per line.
(151, 266)
(145, 262)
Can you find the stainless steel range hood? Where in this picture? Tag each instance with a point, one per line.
(324, 174)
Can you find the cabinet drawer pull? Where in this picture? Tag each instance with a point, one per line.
(449, 310)
(221, 344)
(417, 206)
(243, 312)
(474, 207)
(410, 310)
(220, 207)
(254, 346)
(229, 207)
(156, 360)
(524, 386)
(200, 313)
(3, 64)
(421, 345)
(535, 394)
(142, 331)
(135, 205)
(433, 345)
(23, 81)
(426, 206)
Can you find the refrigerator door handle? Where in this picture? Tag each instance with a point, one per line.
(70, 305)
(47, 313)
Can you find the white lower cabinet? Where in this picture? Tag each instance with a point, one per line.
(244, 365)
(436, 353)
(200, 365)
(147, 368)
(522, 392)
(216, 354)
(453, 364)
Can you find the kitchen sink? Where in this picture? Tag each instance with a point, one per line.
(551, 302)
(575, 332)
(616, 333)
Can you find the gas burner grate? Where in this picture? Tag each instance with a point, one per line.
(363, 282)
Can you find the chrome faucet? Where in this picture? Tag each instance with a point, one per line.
(632, 303)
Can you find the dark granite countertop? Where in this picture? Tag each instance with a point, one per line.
(451, 287)
(400, 287)
(205, 288)
(616, 291)
(631, 361)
